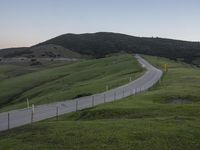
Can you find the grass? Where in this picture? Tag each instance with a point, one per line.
(11, 70)
(147, 121)
(69, 81)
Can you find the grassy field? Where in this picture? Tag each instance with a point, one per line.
(69, 81)
(164, 118)
(11, 70)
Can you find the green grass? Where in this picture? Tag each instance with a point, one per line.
(11, 70)
(69, 81)
(147, 121)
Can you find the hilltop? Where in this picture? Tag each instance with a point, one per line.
(102, 43)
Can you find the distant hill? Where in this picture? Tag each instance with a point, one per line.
(103, 43)
(42, 51)
(14, 52)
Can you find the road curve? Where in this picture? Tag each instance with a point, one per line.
(21, 117)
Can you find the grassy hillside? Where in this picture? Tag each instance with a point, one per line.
(53, 51)
(69, 81)
(164, 118)
(100, 44)
(43, 51)
(14, 69)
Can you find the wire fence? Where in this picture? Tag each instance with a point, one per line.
(27, 116)
(21, 117)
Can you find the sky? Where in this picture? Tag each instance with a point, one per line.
(28, 22)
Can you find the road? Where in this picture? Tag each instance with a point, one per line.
(21, 117)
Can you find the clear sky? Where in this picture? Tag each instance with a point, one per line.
(27, 22)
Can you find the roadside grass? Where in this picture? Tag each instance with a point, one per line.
(136, 134)
(147, 121)
(66, 82)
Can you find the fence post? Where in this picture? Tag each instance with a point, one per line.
(104, 98)
(8, 121)
(57, 113)
(76, 105)
(114, 95)
(31, 116)
(92, 101)
(32, 112)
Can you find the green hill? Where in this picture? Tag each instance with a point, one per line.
(43, 51)
(81, 78)
(102, 43)
(164, 118)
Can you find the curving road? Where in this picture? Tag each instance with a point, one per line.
(21, 117)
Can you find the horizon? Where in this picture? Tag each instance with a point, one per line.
(100, 32)
(26, 23)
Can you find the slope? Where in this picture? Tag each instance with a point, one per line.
(102, 43)
(149, 121)
(69, 81)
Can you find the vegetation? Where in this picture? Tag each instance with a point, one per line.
(43, 51)
(68, 81)
(147, 121)
(14, 69)
(14, 52)
(100, 44)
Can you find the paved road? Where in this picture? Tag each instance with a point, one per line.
(21, 117)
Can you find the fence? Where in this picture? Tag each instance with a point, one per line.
(29, 115)
(26, 116)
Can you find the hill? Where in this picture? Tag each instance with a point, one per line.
(14, 52)
(69, 81)
(164, 118)
(102, 43)
(43, 51)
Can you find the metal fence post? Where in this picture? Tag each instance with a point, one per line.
(57, 113)
(76, 105)
(104, 98)
(92, 101)
(32, 116)
(8, 121)
(32, 112)
(114, 96)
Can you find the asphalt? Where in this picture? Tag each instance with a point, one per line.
(20, 117)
